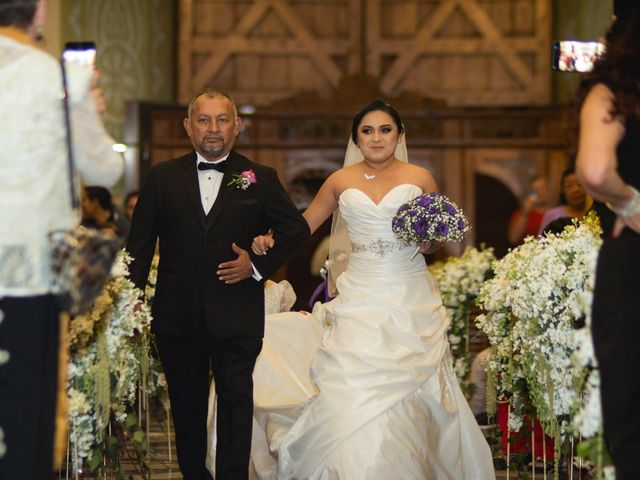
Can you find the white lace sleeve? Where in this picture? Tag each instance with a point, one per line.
(96, 161)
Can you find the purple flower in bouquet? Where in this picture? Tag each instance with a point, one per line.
(429, 218)
(442, 229)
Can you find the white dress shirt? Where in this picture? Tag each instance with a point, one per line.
(209, 182)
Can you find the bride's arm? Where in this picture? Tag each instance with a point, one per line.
(427, 182)
(323, 205)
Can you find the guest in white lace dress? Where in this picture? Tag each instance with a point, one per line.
(34, 199)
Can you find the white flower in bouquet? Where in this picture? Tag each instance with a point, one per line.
(429, 218)
(120, 267)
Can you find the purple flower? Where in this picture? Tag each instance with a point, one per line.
(424, 201)
(442, 229)
(450, 209)
(397, 224)
(461, 224)
(433, 210)
(421, 227)
(413, 213)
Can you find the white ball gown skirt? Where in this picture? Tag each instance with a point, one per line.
(364, 387)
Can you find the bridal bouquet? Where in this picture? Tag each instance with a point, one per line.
(429, 218)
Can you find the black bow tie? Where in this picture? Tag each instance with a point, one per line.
(220, 166)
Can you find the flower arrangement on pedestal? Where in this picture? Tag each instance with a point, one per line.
(536, 307)
(459, 280)
(109, 351)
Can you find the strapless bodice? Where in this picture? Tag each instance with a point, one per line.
(374, 246)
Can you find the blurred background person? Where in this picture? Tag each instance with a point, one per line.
(130, 204)
(574, 201)
(97, 209)
(35, 200)
(526, 220)
(609, 168)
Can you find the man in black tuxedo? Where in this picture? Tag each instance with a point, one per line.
(208, 308)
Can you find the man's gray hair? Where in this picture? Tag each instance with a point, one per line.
(212, 93)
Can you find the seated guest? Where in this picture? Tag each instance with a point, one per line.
(97, 209)
(558, 225)
(130, 203)
(574, 201)
(526, 220)
(123, 220)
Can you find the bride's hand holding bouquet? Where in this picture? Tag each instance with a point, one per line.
(429, 220)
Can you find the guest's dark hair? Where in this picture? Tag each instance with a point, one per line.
(101, 194)
(619, 69)
(17, 13)
(376, 105)
(568, 171)
(130, 195)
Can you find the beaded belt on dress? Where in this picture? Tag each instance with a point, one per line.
(380, 247)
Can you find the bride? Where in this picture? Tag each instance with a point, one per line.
(364, 387)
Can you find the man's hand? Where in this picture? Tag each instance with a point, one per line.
(236, 270)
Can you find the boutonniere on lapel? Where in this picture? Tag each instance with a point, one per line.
(243, 180)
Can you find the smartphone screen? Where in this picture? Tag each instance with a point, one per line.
(574, 56)
(80, 53)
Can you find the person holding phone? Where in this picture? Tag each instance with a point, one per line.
(34, 200)
(608, 125)
(526, 220)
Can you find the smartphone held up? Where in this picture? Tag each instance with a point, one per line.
(80, 53)
(575, 56)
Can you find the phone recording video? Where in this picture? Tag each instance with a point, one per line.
(574, 56)
(80, 53)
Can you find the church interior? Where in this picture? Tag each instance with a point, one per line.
(484, 110)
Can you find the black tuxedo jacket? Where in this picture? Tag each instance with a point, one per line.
(193, 244)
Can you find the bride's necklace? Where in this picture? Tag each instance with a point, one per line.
(368, 177)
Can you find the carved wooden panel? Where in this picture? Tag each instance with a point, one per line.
(263, 50)
(465, 52)
(468, 52)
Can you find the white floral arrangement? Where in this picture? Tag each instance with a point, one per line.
(109, 351)
(157, 382)
(459, 280)
(540, 295)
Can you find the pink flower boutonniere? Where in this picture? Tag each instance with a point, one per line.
(243, 180)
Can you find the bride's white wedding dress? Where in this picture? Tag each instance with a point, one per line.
(382, 400)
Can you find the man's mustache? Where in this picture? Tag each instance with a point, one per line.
(213, 137)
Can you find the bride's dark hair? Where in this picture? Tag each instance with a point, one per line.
(376, 105)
